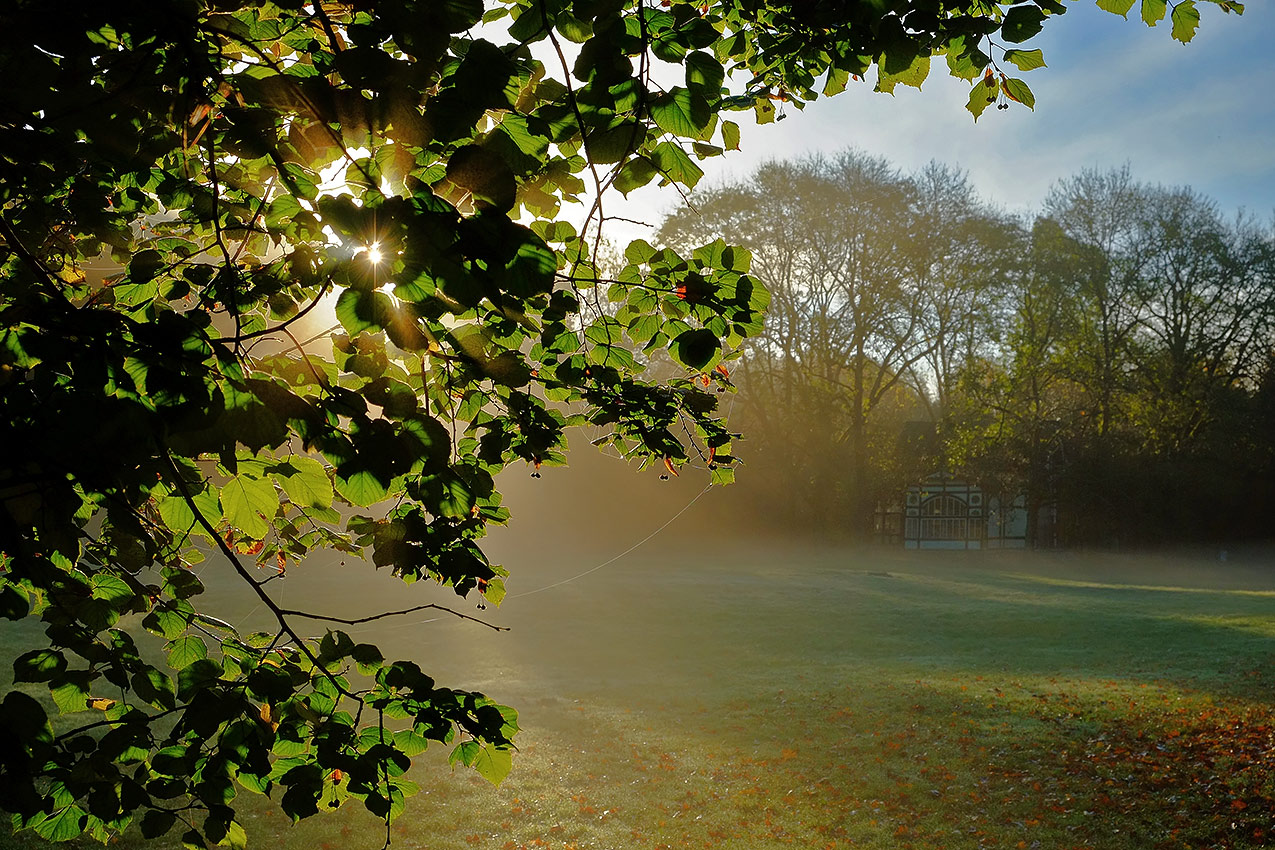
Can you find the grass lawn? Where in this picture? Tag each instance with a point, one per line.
(768, 696)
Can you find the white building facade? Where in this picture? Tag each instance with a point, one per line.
(949, 513)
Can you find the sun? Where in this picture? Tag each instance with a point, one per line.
(374, 255)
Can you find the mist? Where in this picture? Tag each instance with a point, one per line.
(706, 687)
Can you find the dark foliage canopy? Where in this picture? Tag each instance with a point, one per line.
(171, 230)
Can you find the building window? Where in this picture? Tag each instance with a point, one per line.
(944, 528)
(945, 506)
(944, 518)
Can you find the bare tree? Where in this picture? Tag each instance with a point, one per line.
(866, 269)
(1206, 311)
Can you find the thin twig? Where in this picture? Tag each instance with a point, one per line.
(358, 620)
(283, 325)
(278, 612)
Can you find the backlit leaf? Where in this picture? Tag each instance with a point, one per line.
(359, 310)
(1116, 7)
(1019, 91)
(1026, 60)
(361, 488)
(185, 651)
(493, 763)
(111, 589)
(1186, 18)
(681, 112)
(674, 164)
(913, 74)
(730, 135)
(247, 502)
(62, 825)
(1022, 22)
(697, 349)
(305, 480)
(983, 95)
(39, 665)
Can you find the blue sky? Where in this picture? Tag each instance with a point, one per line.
(1115, 92)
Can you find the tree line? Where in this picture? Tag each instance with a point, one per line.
(1108, 356)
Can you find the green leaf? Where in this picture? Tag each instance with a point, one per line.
(62, 825)
(913, 74)
(458, 15)
(634, 174)
(494, 592)
(305, 480)
(485, 175)
(1021, 23)
(410, 742)
(155, 688)
(70, 696)
(361, 488)
(1026, 60)
(359, 310)
(1116, 7)
(705, 74)
(111, 589)
(572, 28)
(730, 135)
(24, 718)
(144, 266)
(696, 349)
(255, 784)
(965, 61)
(982, 95)
(166, 622)
(1019, 91)
(1186, 18)
(644, 327)
(764, 110)
(674, 164)
(493, 763)
(248, 503)
(836, 83)
(41, 665)
(722, 475)
(464, 752)
(1153, 11)
(640, 251)
(181, 584)
(15, 602)
(185, 651)
(235, 837)
(177, 515)
(156, 823)
(530, 272)
(196, 675)
(520, 133)
(682, 112)
(509, 720)
(368, 658)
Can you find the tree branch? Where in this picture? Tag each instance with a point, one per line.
(358, 620)
(278, 612)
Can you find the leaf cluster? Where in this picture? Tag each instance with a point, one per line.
(183, 192)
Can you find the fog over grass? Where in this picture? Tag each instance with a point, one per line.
(708, 689)
(738, 694)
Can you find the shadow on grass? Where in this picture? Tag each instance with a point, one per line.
(761, 698)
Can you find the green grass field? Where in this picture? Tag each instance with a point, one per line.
(763, 697)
